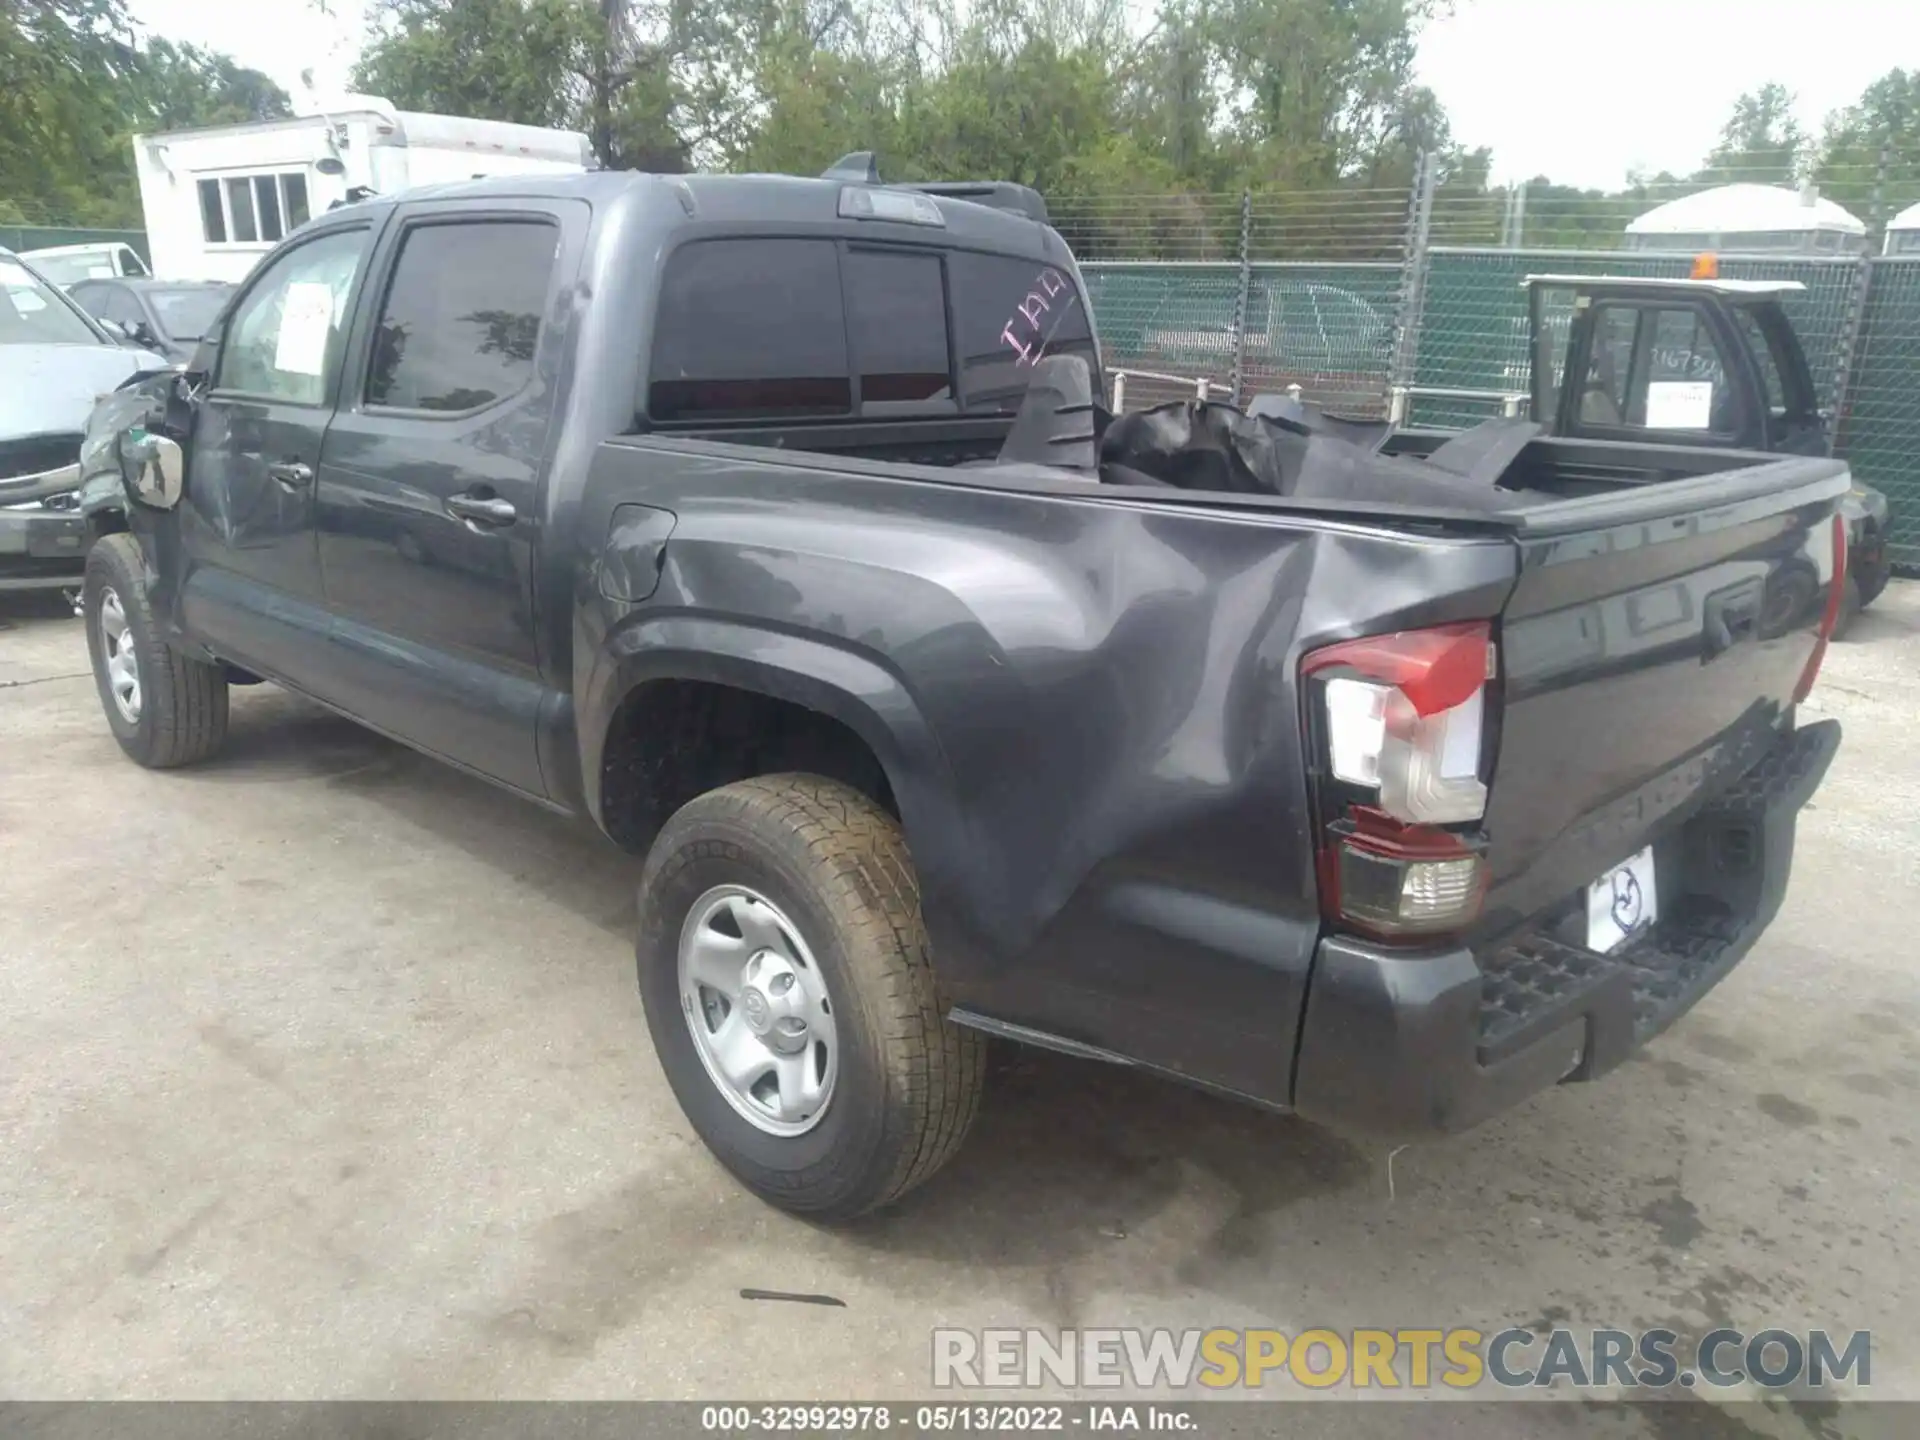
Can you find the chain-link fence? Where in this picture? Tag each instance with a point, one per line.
(1412, 301)
(1365, 297)
(1473, 327)
(42, 237)
(1880, 422)
(1326, 327)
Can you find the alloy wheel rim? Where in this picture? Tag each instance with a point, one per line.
(123, 661)
(757, 1006)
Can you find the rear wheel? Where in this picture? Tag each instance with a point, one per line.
(1873, 583)
(790, 994)
(1850, 605)
(165, 708)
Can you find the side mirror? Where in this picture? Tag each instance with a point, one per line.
(155, 467)
(114, 328)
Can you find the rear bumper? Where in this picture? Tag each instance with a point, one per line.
(1407, 1045)
(41, 548)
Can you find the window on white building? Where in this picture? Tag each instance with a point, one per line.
(252, 209)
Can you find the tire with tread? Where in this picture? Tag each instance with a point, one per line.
(1850, 605)
(909, 1079)
(1870, 591)
(183, 709)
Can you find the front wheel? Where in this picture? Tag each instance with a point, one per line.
(789, 991)
(165, 708)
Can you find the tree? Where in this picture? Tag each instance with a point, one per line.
(1322, 90)
(571, 64)
(515, 60)
(67, 64)
(182, 87)
(79, 85)
(1761, 142)
(1870, 153)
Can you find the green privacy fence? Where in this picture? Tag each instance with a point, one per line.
(1880, 423)
(1327, 327)
(1332, 329)
(43, 237)
(1333, 325)
(1473, 326)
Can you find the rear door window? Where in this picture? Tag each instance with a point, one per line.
(1686, 376)
(461, 320)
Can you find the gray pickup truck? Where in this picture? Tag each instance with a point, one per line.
(770, 523)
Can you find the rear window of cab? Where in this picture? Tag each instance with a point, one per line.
(771, 328)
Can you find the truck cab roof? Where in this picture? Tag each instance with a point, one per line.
(674, 201)
(1729, 289)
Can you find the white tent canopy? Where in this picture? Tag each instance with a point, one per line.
(1903, 232)
(1749, 217)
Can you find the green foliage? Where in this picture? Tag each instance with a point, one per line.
(181, 87)
(1084, 99)
(1870, 155)
(565, 63)
(79, 85)
(1761, 142)
(503, 59)
(1322, 90)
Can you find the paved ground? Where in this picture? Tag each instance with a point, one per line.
(322, 1073)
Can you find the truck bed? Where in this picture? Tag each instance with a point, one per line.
(1086, 693)
(1528, 490)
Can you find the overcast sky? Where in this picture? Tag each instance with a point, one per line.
(1579, 90)
(1584, 90)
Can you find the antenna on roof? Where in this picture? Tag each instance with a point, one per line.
(859, 168)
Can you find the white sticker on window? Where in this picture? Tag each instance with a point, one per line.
(1680, 405)
(306, 323)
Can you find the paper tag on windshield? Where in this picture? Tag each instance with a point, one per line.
(306, 323)
(1679, 404)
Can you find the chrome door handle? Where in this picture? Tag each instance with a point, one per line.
(292, 474)
(483, 509)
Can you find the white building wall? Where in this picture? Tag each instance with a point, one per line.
(378, 146)
(171, 168)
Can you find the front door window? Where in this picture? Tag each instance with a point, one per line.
(285, 339)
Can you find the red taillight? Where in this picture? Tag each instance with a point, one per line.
(1830, 617)
(1404, 715)
(1400, 722)
(1435, 669)
(1394, 880)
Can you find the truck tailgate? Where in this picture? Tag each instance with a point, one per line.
(1650, 654)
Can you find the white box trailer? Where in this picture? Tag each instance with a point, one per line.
(216, 200)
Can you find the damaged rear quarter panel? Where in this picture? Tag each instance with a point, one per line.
(1085, 706)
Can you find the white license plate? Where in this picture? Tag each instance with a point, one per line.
(1622, 902)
